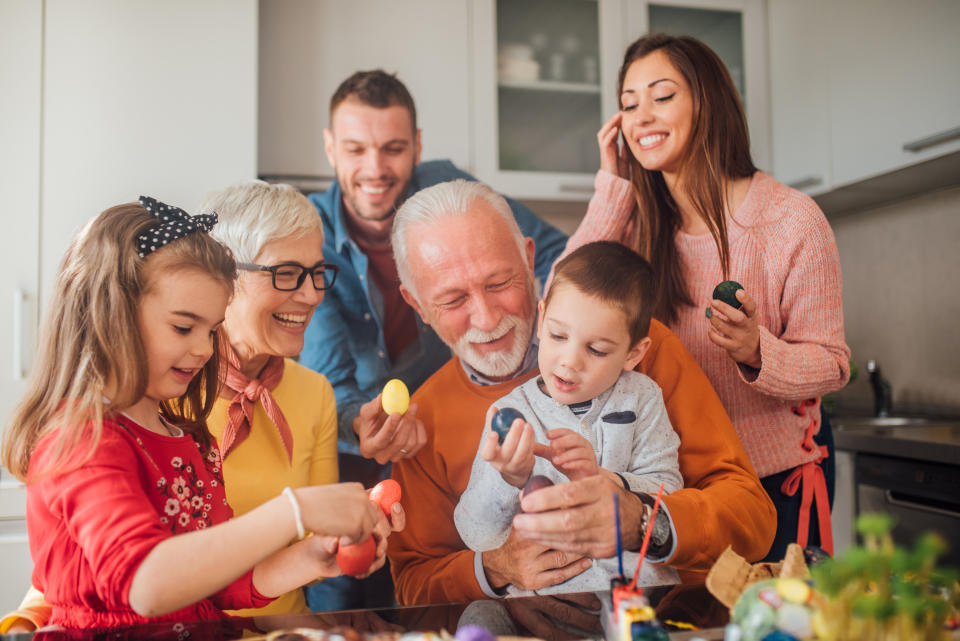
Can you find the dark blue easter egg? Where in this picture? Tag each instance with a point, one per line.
(502, 421)
(727, 292)
(813, 555)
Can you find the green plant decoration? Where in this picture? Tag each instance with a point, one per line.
(883, 592)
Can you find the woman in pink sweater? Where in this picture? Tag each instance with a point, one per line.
(683, 191)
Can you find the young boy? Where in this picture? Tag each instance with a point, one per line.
(588, 412)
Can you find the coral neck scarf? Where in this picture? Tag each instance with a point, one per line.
(248, 392)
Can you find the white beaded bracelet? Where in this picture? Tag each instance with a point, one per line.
(301, 532)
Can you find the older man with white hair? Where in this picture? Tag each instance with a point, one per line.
(465, 267)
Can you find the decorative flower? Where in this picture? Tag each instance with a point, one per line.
(176, 462)
(184, 519)
(172, 507)
(196, 502)
(180, 488)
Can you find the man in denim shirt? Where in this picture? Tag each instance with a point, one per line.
(364, 333)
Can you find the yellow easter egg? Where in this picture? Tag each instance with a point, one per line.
(793, 590)
(395, 398)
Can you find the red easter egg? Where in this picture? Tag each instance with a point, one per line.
(535, 483)
(385, 494)
(356, 559)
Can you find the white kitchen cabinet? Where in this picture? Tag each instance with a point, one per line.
(308, 47)
(799, 94)
(21, 43)
(860, 90)
(545, 75)
(102, 102)
(894, 83)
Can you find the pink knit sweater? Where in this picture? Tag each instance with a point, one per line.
(783, 252)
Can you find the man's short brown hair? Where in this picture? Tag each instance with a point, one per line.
(615, 274)
(375, 88)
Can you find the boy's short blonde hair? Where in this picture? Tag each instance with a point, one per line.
(615, 274)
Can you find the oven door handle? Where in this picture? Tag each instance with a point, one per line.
(892, 500)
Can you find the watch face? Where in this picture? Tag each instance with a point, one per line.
(661, 530)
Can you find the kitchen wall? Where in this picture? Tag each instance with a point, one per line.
(901, 289)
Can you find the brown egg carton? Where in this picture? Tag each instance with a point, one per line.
(731, 574)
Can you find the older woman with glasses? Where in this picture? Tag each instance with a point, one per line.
(275, 420)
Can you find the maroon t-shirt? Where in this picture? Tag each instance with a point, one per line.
(399, 319)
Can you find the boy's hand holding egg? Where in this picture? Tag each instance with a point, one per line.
(733, 323)
(387, 427)
(509, 445)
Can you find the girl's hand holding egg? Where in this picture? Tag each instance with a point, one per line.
(359, 560)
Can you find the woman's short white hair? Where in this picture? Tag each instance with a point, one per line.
(253, 213)
(440, 201)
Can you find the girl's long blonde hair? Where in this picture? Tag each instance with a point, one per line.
(91, 339)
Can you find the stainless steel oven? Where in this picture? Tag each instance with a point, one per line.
(921, 495)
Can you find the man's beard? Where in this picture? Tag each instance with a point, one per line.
(389, 213)
(507, 362)
(502, 363)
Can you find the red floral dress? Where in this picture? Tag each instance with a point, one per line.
(91, 526)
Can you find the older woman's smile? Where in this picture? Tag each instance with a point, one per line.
(293, 320)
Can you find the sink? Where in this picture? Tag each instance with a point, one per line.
(869, 422)
(880, 421)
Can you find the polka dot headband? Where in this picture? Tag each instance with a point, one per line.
(174, 223)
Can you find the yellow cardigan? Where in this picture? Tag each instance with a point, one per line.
(257, 470)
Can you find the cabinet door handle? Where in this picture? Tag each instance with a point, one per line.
(18, 298)
(580, 189)
(806, 181)
(932, 141)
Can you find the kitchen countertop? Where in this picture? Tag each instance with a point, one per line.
(932, 440)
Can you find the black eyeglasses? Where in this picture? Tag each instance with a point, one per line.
(289, 277)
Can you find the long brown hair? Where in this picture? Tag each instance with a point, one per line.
(91, 338)
(718, 151)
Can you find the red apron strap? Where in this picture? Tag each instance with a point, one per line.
(809, 478)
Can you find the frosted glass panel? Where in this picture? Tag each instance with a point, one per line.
(722, 31)
(548, 85)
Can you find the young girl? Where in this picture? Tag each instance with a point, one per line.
(684, 192)
(126, 510)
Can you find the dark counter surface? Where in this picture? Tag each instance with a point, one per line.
(928, 440)
(560, 618)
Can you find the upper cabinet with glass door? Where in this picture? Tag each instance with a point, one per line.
(544, 79)
(545, 74)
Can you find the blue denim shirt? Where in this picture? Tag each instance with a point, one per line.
(345, 340)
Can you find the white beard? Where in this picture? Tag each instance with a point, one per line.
(504, 362)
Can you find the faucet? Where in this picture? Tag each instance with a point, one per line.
(882, 392)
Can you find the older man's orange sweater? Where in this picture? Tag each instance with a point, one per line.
(722, 502)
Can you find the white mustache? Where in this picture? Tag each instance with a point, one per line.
(474, 335)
